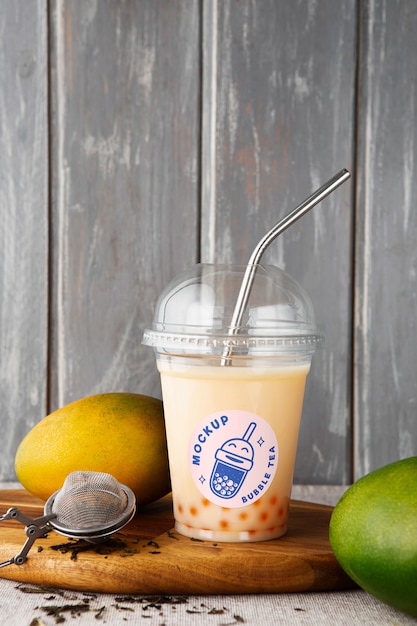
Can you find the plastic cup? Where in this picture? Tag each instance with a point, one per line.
(232, 425)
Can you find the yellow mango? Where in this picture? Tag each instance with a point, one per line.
(122, 434)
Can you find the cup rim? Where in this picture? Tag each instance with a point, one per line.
(163, 340)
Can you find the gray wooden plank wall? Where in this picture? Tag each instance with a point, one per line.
(24, 223)
(138, 137)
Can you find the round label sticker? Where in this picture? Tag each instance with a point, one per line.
(233, 457)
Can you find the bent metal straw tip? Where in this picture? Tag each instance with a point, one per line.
(266, 240)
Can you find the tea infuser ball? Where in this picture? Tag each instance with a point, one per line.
(91, 506)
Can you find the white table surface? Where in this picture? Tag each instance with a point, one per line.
(24, 605)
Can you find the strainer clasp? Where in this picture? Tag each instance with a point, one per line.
(34, 529)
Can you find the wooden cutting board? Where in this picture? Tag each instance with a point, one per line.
(149, 557)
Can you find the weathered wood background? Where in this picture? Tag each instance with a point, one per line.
(141, 136)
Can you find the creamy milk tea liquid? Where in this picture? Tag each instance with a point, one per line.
(232, 436)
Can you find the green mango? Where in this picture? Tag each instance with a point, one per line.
(373, 533)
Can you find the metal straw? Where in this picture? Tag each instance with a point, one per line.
(282, 225)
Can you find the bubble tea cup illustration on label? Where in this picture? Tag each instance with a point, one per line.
(233, 461)
(232, 342)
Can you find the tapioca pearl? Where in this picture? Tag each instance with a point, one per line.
(273, 500)
(243, 516)
(193, 510)
(230, 483)
(224, 524)
(180, 508)
(205, 502)
(264, 516)
(217, 487)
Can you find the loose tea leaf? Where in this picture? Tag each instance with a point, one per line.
(75, 547)
(99, 613)
(129, 552)
(172, 536)
(39, 589)
(238, 620)
(152, 601)
(66, 608)
(57, 611)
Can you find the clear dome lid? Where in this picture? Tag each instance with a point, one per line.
(193, 314)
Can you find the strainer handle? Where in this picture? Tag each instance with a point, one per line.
(35, 528)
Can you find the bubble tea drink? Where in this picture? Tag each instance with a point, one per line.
(232, 403)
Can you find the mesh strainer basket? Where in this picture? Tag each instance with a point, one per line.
(90, 505)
